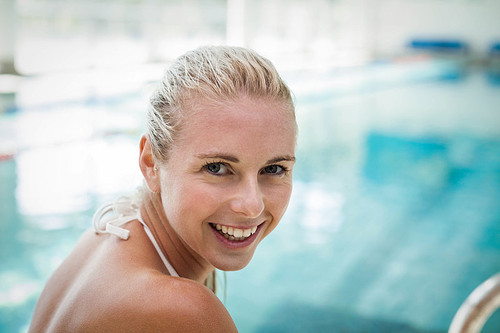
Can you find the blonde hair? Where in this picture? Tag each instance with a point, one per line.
(215, 73)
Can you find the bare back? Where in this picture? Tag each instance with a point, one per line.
(110, 285)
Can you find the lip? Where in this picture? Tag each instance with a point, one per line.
(237, 244)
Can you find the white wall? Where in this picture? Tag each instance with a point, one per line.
(475, 21)
(314, 33)
(301, 33)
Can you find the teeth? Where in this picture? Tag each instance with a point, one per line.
(238, 233)
(235, 233)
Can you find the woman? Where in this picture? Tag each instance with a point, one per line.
(217, 162)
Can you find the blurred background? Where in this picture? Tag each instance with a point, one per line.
(395, 214)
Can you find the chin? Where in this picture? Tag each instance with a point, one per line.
(230, 266)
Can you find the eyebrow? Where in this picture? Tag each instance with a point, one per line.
(219, 156)
(287, 158)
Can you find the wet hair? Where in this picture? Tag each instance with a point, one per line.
(212, 73)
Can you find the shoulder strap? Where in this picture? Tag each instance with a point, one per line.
(112, 225)
(167, 264)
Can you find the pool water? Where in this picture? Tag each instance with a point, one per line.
(394, 218)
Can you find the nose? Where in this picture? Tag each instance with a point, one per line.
(249, 199)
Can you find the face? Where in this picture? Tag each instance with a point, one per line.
(228, 178)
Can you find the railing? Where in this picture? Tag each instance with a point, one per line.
(478, 307)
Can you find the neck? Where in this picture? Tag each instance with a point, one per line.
(186, 262)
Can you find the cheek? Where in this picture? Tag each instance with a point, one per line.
(188, 202)
(279, 201)
(277, 206)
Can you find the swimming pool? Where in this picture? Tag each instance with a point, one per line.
(393, 221)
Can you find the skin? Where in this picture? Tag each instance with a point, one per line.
(231, 164)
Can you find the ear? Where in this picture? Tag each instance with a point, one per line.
(147, 165)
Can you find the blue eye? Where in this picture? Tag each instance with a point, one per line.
(274, 169)
(216, 168)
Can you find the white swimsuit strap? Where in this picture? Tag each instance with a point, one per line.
(167, 264)
(113, 226)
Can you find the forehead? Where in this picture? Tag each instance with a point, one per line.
(244, 112)
(236, 122)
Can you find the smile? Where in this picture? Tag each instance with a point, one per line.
(234, 234)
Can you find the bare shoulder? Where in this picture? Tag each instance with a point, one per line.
(196, 308)
(110, 287)
(168, 304)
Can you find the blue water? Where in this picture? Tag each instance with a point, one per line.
(394, 218)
